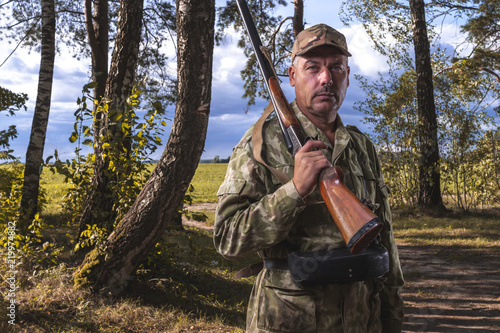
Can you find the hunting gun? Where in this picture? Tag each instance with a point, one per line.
(357, 223)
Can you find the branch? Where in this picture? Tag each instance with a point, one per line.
(487, 70)
(453, 6)
(20, 42)
(6, 3)
(273, 36)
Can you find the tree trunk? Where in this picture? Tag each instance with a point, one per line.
(429, 175)
(97, 23)
(145, 223)
(98, 208)
(298, 16)
(34, 154)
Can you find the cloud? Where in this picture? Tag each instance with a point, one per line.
(365, 60)
(229, 59)
(227, 84)
(450, 34)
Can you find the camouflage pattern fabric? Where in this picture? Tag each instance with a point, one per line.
(319, 35)
(256, 213)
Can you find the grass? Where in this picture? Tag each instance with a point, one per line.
(186, 286)
(189, 288)
(473, 230)
(207, 180)
(55, 187)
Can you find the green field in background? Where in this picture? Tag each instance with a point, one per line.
(207, 180)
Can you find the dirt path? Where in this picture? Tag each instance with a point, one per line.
(199, 207)
(447, 289)
(450, 290)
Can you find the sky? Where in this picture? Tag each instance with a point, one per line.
(228, 120)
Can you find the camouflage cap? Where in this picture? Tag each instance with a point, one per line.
(319, 35)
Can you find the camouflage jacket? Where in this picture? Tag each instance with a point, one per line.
(257, 213)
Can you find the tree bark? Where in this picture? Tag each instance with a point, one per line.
(97, 23)
(34, 154)
(298, 16)
(429, 175)
(145, 223)
(98, 208)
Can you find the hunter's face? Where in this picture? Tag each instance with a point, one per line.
(320, 78)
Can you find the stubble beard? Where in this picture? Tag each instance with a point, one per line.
(335, 96)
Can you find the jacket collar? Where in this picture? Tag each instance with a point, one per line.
(342, 136)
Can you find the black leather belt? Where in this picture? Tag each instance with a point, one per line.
(339, 265)
(324, 267)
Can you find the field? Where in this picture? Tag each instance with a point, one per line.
(207, 180)
(451, 266)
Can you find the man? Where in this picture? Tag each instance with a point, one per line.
(259, 211)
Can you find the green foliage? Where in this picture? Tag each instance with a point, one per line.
(11, 179)
(390, 108)
(10, 102)
(466, 140)
(483, 30)
(32, 250)
(473, 176)
(128, 155)
(92, 236)
(78, 170)
(387, 23)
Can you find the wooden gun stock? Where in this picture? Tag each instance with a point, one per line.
(357, 223)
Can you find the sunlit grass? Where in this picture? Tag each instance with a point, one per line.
(470, 230)
(55, 188)
(207, 180)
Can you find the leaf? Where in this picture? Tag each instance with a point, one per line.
(91, 85)
(159, 107)
(74, 137)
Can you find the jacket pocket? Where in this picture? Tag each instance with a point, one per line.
(287, 308)
(234, 186)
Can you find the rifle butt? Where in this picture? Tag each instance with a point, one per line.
(357, 223)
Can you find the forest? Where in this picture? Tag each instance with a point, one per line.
(116, 240)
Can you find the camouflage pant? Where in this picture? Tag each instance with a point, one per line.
(277, 304)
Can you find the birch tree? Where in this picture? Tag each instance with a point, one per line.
(110, 268)
(34, 154)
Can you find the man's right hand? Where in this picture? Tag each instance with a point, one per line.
(309, 162)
